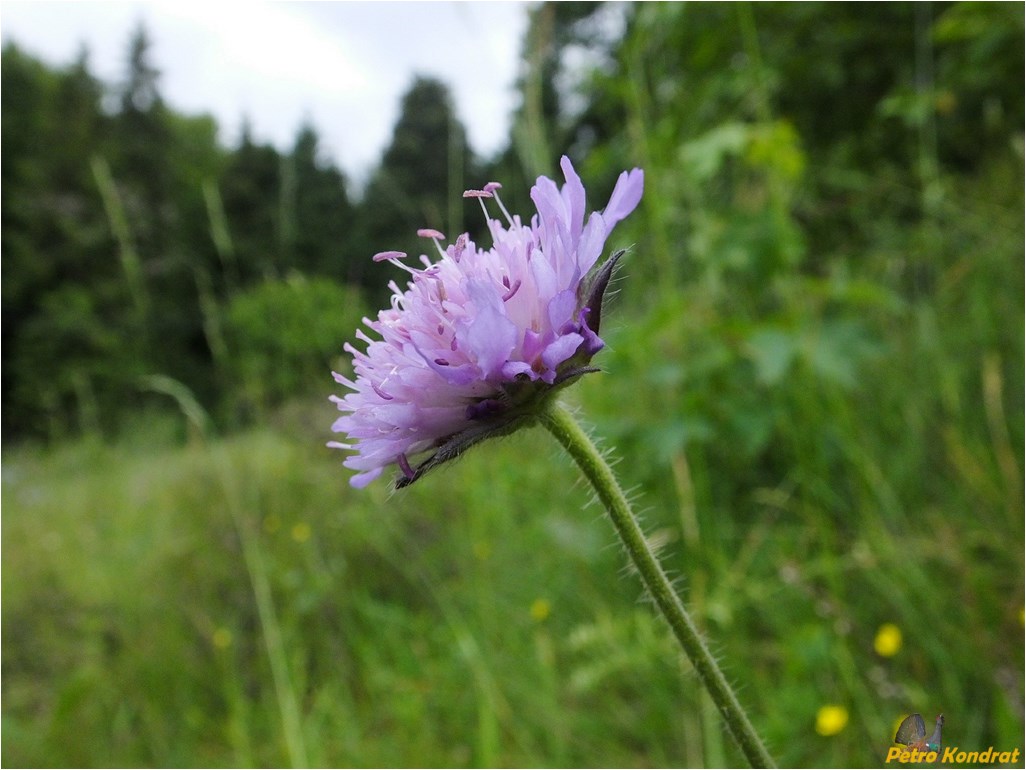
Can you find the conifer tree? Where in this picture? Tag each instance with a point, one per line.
(427, 165)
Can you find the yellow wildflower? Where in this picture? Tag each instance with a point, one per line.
(221, 638)
(301, 532)
(540, 609)
(887, 641)
(831, 719)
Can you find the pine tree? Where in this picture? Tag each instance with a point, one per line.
(422, 175)
(320, 214)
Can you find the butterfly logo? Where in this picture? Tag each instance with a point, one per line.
(912, 733)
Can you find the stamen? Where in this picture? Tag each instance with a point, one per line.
(404, 466)
(509, 294)
(394, 257)
(380, 392)
(456, 250)
(480, 195)
(492, 187)
(431, 268)
(441, 362)
(435, 235)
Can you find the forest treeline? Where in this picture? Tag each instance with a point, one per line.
(143, 260)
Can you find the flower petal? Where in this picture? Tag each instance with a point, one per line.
(573, 197)
(480, 338)
(490, 336)
(625, 198)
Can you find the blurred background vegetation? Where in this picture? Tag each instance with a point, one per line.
(814, 379)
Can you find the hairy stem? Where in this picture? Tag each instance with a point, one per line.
(576, 441)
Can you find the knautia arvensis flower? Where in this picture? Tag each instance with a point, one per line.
(481, 338)
(477, 346)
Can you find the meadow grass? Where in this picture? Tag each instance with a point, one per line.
(816, 455)
(413, 632)
(233, 602)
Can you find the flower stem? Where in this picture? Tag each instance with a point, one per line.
(558, 420)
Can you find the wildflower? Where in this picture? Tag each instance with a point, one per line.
(221, 638)
(480, 339)
(831, 719)
(301, 532)
(540, 609)
(888, 640)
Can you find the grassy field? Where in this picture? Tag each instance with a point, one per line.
(827, 448)
(232, 602)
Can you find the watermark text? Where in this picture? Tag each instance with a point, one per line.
(952, 755)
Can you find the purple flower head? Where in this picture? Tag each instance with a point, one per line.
(481, 338)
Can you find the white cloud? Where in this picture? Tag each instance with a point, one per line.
(343, 65)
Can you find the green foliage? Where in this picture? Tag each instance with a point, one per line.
(284, 337)
(125, 233)
(419, 183)
(52, 242)
(321, 218)
(813, 376)
(252, 211)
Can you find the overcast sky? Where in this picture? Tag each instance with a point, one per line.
(343, 65)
